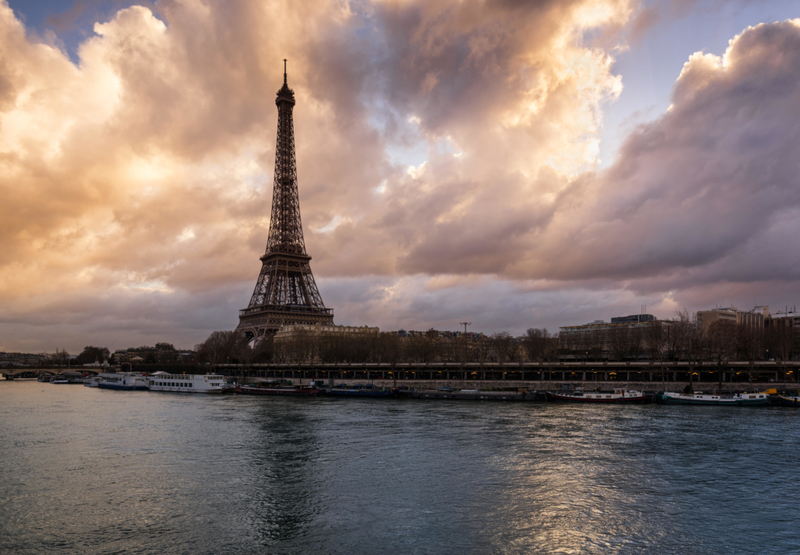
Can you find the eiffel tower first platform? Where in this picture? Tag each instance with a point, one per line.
(285, 292)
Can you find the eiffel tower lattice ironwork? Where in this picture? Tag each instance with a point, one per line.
(285, 292)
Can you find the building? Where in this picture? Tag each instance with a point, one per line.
(604, 337)
(754, 318)
(633, 319)
(299, 330)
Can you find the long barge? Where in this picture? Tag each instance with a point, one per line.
(735, 400)
(474, 394)
(618, 396)
(283, 390)
(359, 392)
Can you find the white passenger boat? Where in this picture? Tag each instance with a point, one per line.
(126, 381)
(59, 378)
(187, 383)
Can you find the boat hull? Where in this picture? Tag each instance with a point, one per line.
(121, 387)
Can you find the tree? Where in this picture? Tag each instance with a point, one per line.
(61, 358)
(92, 355)
(536, 343)
(655, 342)
(241, 350)
(263, 349)
(505, 347)
(750, 345)
(690, 340)
(420, 348)
(619, 340)
(217, 348)
(636, 342)
(388, 348)
(721, 341)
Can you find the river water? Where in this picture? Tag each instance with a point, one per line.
(96, 471)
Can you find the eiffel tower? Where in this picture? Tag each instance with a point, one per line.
(285, 292)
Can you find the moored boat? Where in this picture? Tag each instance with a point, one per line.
(59, 378)
(473, 394)
(123, 381)
(284, 390)
(344, 391)
(734, 399)
(617, 396)
(187, 383)
(787, 401)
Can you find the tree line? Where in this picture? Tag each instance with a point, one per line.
(677, 340)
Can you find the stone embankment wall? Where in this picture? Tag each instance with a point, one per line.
(537, 385)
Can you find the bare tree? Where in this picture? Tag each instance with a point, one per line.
(536, 343)
(690, 340)
(263, 349)
(505, 347)
(636, 342)
(721, 341)
(779, 338)
(421, 348)
(217, 348)
(655, 342)
(750, 346)
(61, 357)
(619, 340)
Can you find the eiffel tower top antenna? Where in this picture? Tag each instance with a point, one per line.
(284, 71)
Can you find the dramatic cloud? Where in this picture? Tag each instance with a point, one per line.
(446, 155)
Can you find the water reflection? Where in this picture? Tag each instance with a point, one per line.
(285, 488)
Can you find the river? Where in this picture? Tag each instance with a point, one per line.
(97, 471)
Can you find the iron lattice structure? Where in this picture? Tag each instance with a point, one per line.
(285, 292)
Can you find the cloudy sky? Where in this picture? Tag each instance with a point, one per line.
(512, 163)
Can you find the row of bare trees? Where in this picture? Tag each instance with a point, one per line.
(680, 339)
(228, 347)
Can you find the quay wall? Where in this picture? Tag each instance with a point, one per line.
(556, 385)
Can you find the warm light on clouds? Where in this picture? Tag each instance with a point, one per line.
(448, 161)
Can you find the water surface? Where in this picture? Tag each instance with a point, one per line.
(96, 471)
